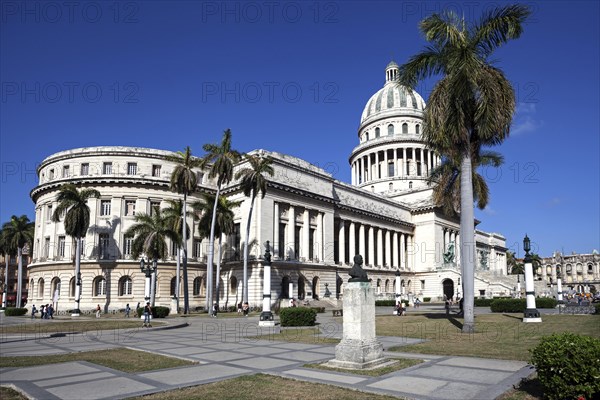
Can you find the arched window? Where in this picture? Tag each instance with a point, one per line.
(197, 289)
(418, 129)
(173, 286)
(390, 129)
(391, 187)
(99, 286)
(125, 286)
(54, 286)
(366, 136)
(41, 288)
(72, 287)
(31, 286)
(405, 128)
(410, 185)
(233, 283)
(377, 134)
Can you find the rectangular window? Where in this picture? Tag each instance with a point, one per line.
(49, 213)
(129, 208)
(199, 178)
(156, 170)
(66, 171)
(85, 169)
(46, 247)
(174, 248)
(391, 169)
(282, 243)
(51, 174)
(197, 249)
(131, 168)
(61, 246)
(104, 207)
(422, 284)
(154, 205)
(107, 168)
(127, 245)
(103, 246)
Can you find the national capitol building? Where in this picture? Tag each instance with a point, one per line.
(315, 223)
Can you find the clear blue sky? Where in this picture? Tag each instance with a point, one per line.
(293, 77)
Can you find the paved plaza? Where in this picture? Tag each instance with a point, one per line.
(224, 348)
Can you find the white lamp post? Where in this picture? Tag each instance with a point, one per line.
(149, 269)
(559, 292)
(531, 312)
(266, 316)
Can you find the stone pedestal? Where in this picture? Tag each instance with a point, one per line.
(359, 348)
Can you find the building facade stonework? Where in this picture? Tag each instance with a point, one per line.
(315, 223)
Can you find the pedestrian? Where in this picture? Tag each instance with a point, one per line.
(33, 311)
(239, 307)
(51, 311)
(98, 311)
(417, 302)
(447, 306)
(246, 309)
(42, 312)
(127, 310)
(215, 310)
(147, 315)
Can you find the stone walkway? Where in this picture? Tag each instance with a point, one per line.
(224, 349)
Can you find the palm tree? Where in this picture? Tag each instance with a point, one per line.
(183, 180)
(221, 158)
(253, 182)
(72, 203)
(224, 225)
(6, 252)
(446, 180)
(150, 233)
(173, 215)
(18, 232)
(536, 263)
(471, 106)
(512, 263)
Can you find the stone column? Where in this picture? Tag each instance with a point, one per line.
(369, 167)
(371, 245)
(385, 164)
(410, 252)
(403, 251)
(396, 172)
(342, 243)
(319, 253)
(395, 251)
(290, 248)
(352, 241)
(305, 235)
(457, 249)
(379, 247)
(276, 243)
(361, 241)
(388, 249)
(377, 166)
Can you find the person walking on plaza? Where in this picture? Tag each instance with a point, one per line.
(215, 310)
(42, 311)
(147, 314)
(50, 312)
(127, 310)
(98, 311)
(33, 311)
(245, 309)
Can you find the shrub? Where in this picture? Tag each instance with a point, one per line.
(483, 302)
(508, 305)
(426, 299)
(297, 316)
(567, 365)
(545, 302)
(160, 312)
(319, 310)
(14, 311)
(385, 303)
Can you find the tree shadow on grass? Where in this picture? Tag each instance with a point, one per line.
(450, 318)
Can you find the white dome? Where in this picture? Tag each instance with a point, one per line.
(392, 99)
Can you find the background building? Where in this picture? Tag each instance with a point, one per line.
(315, 223)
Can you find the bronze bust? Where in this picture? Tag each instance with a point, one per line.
(357, 274)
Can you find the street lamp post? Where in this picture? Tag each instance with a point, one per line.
(531, 312)
(398, 290)
(559, 292)
(266, 316)
(149, 269)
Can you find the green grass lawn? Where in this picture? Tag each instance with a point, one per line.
(264, 387)
(122, 359)
(502, 336)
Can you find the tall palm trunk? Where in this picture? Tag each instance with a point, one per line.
(186, 297)
(211, 253)
(4, 294)
(246, 246)
(77, 276)
(218, 274)
(19, 276)
(467, 242)
(177, 275)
